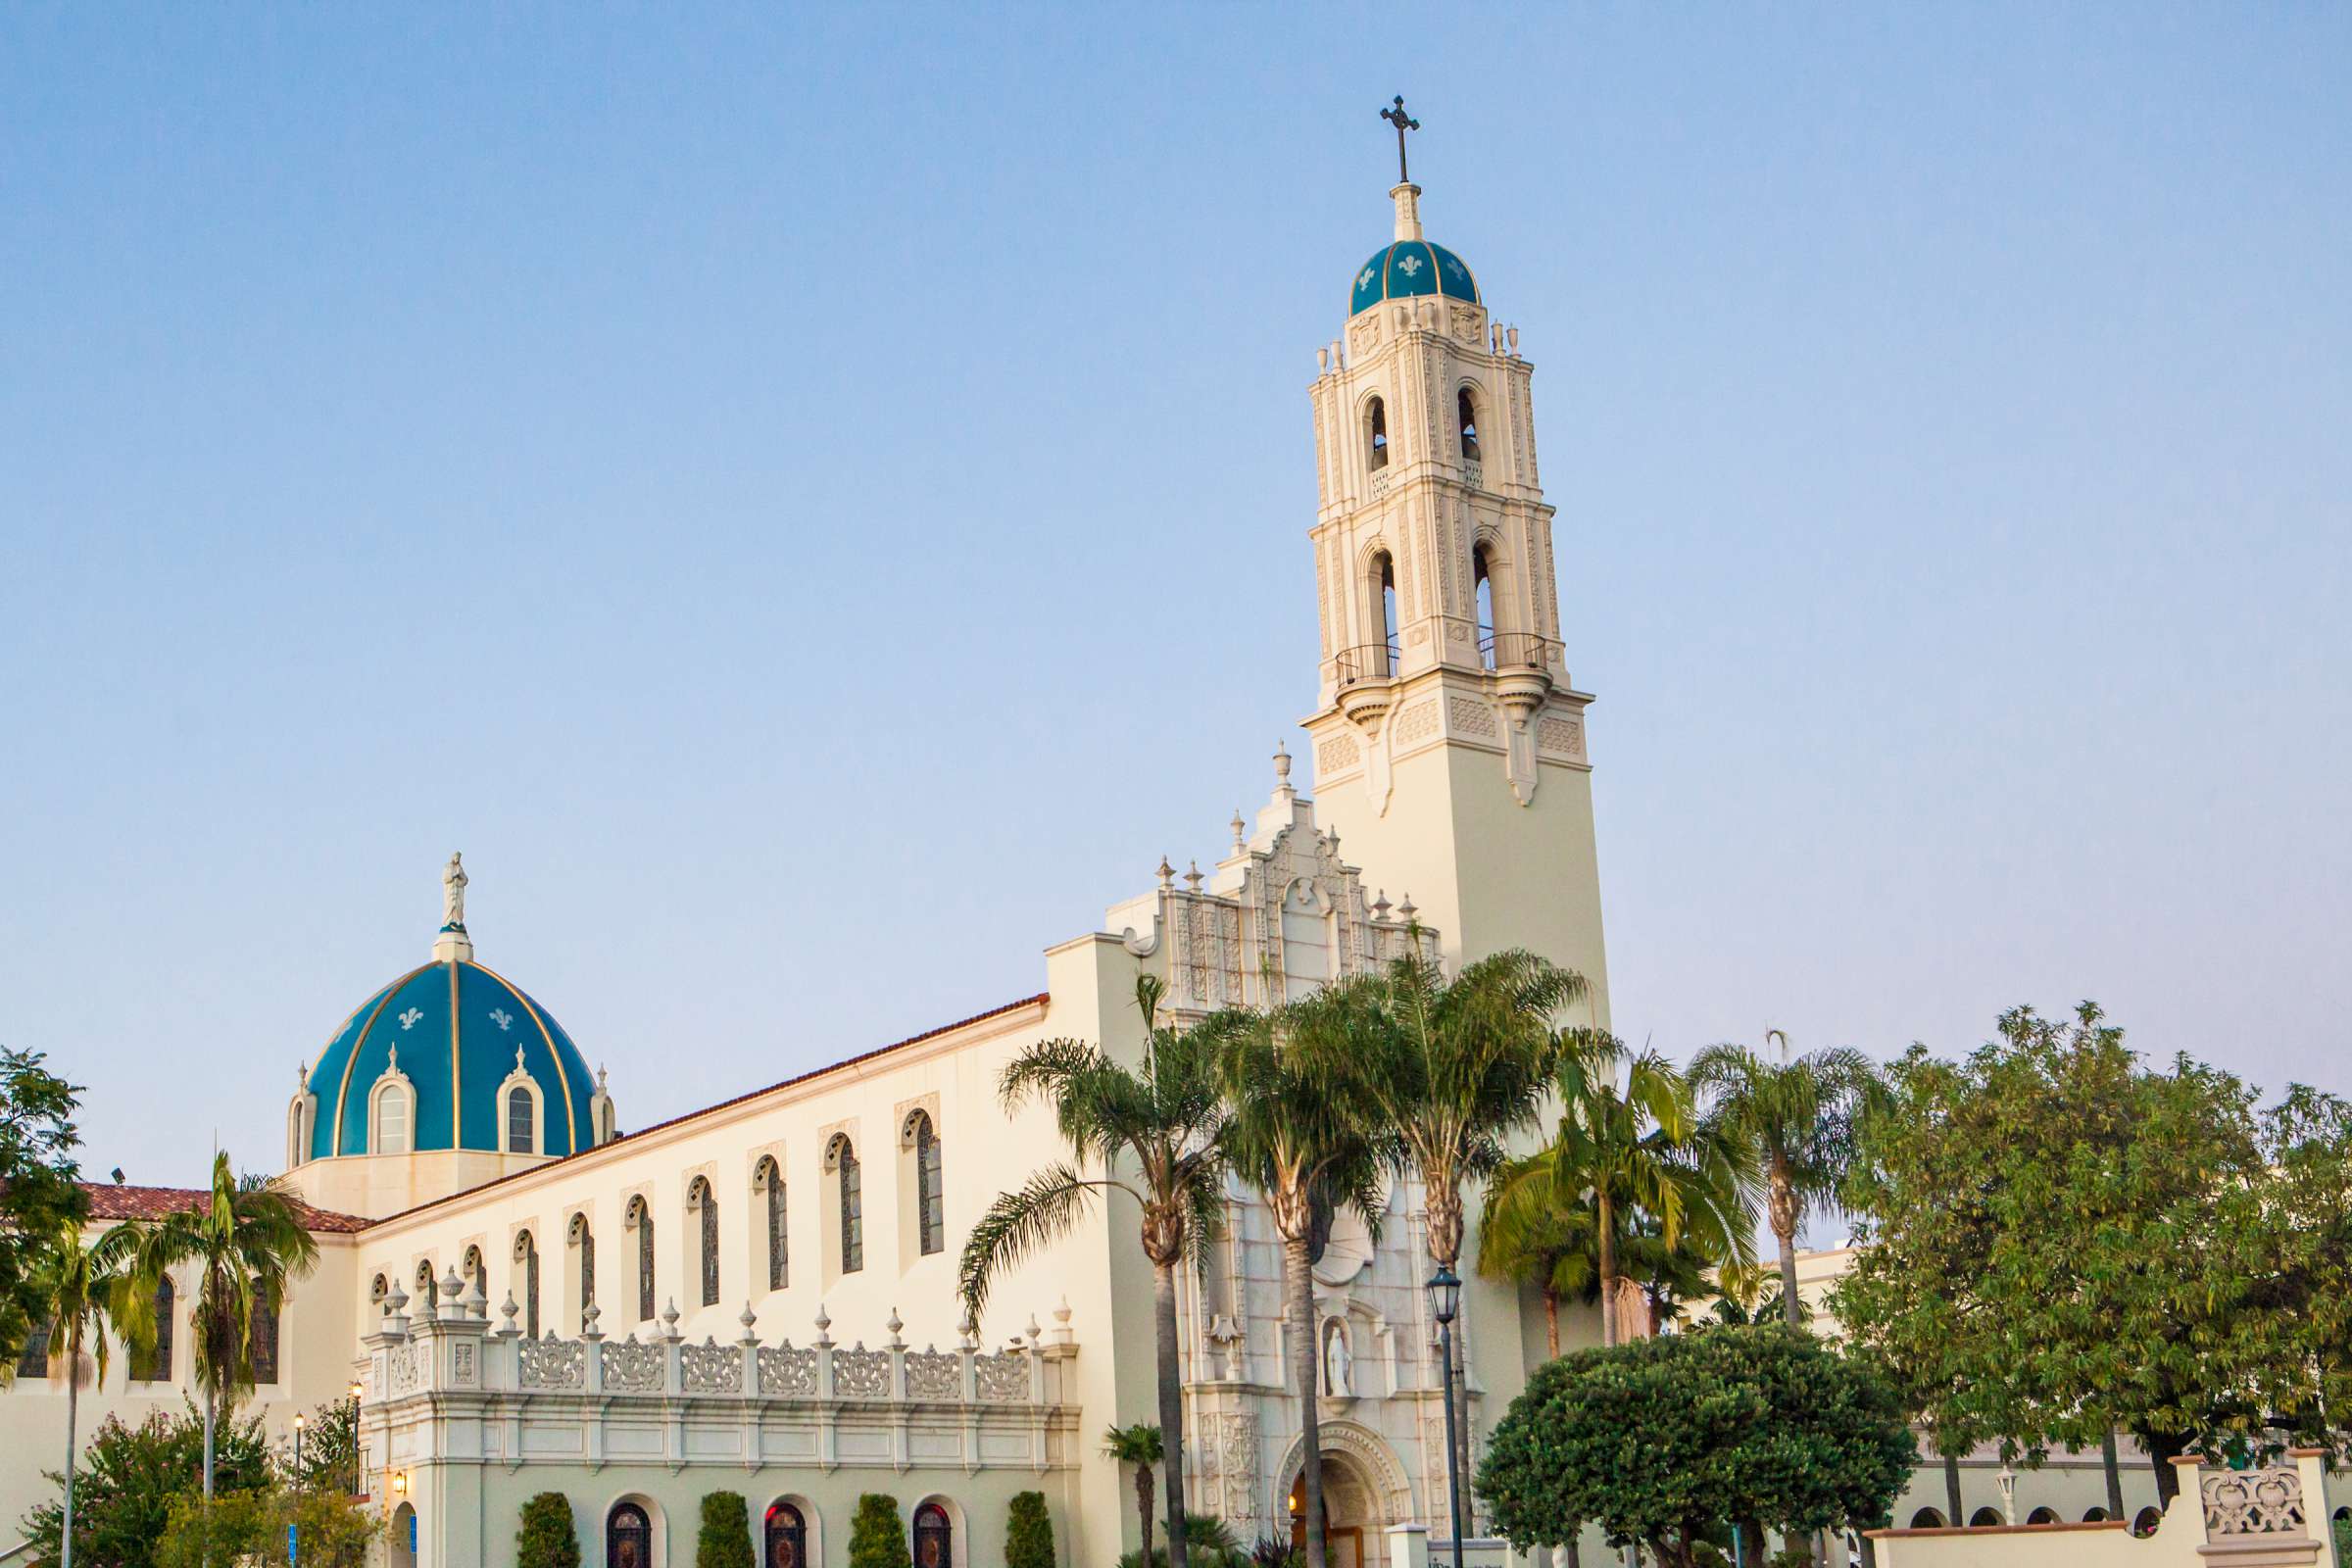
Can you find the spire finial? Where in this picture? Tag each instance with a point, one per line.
(1241, 840)
(1282, 766)
(1396, 117)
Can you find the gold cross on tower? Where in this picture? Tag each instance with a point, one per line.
(1396, 117)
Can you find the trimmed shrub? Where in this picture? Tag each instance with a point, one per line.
(877, 1539)
(725, 1538)
(545, 1538)
(1028, 1533)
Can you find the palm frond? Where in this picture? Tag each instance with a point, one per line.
(1042, 1210)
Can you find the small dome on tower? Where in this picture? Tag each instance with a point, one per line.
(1411, 267)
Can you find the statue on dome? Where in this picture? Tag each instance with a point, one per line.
(452, 892)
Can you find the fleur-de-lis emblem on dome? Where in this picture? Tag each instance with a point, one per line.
(1364, 279)
(1409, 266)
(408, 1019)
(1454, 265)
(502, 1018)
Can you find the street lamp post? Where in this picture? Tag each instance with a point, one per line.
(1444, 1300)
(298, 1447)
(358, 1476)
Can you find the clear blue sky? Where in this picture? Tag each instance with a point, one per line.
(814, 504)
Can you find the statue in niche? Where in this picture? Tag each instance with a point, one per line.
(1337, 1362)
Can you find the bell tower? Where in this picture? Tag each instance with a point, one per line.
(1449, 743)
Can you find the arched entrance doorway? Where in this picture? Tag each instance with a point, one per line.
(401, 1550)
(786, 1543)
(1352, 1513)
(628, 1537)
(934, 1538)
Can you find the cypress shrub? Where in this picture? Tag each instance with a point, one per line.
(725, 1538)
(876, 1538)
(1028, 1533)
(546, 1539)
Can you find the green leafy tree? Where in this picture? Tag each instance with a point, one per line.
(877, 1539)
(1544, 1245)
(2058, 1241)
(38, 1194)
(1662, 1443)
(546, 1537)
(79, 1288)
(246, 1243)
(1154, 1133)
(1029, 1532)
(1450, 1068)
(1302, 1135)
(725, 1537)
(336, 1529)
(1139, 1445)
(1797, 1118)
(127, 1478)
(330, 1447)
(250, 1528)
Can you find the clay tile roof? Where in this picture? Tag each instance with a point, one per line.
(112, 1202)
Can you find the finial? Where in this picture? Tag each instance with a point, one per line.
(452, 945)
(393, 1065)
(518, 1058)
(669, 1319)
(588, 1321)
(1396, 117)
(1191, 878)
(1406, 910)
(1034, 1330)
(1167, 873)
(1512, 336)
(1323, 361)
(1282, 766)
(1239, 828)
(600, 1077)
(1062, 1313)
(506, 1311)
(1381, 906)
(748, 1319)
(1333, 839)
(894, 1325)
(825, 1338)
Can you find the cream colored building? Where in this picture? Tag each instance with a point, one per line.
(760, 1296)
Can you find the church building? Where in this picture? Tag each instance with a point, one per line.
(529, 1293)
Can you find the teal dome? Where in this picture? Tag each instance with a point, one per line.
(457, 1032)
(1412, 266)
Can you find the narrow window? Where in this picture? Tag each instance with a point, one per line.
(472, 1270)
(585, 1239)
(787, 1537)
(35, 1362)
(1485, 579)
(1465, 414)
(771, 1181)
(853, 1207)
(930, 1189)
(1379, 434)
(520, 1139)
(526, 1254)
(628, 1537)
(392, 1121)
(428, 1288)
(700, 1197)
(157, 1368)
(934, 1538)
(261, 1342)
(1387, 614)
(642, 1216)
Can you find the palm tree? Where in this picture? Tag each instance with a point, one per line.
(247, 1242)
(1450, 1068)
(1302, 1136)
(1162, 1120)
(1798, 1118)
(81, 1288)
(1551, 1248)
(1140, 1447)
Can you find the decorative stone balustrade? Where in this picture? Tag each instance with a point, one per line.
(2252, 1502)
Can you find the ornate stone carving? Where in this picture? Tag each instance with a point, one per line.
(1364, 335)
(1236, 1446)
(934, 1375)
(630, 1367)
(1336, 754)
(787, 1373)
(404, 1369)
(1417, 723)
(861, 1374)
(2253, 1503)
(461, 1364)
(553, 1363)
(1564, 736)
(1470, 716)
(711, 1367)
(1003, 1379)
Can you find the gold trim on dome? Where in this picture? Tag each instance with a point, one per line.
(359, 1039)
(563, 1078)
(457, 1069)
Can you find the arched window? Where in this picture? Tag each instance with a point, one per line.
(2042, 1516)
(844, 1161)
(35, 1362)
(428, 1288)
(930, 1189)
(641, 1216)
(521, 1137)
(628, 1537)
(472, 1270)
(934, 1538)
(1379, 431)
(787, 1538)
(1465, 414)
(377, 1289)
(2094, 1516)
(157, 1368)
(583, 1241)
(1383, 583)
(1482, 573)
(769, 1180)
(1927, 1519)
(2145, 1522)
(526, 1256)
(699, 1197)
(1985, 1518)
(261, 1342)
(392, 1119)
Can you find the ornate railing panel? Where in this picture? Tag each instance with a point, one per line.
(1003, 1379)
(861, 1374)
(553, 1363)
(934, 1375)
(787, 1374)
(2253, 1503)
(632, 1368)
(711, 1367)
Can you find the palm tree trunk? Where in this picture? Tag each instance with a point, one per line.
(1951, 1491)
(208, 1444)
(1306, 1363)
(1142, 1507)
(1551, 1321)
(1608, 1274)
(1784, 1231)
(1171, 1403)
(65, 1534)
(2115, 1473)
